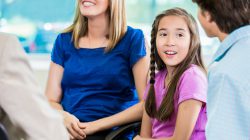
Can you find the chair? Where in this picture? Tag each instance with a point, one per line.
(118, 133)
(3, 133)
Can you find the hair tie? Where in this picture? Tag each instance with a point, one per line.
(152, 81)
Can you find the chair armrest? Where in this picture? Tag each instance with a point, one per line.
(114, 135)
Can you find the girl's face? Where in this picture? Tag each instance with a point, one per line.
(172, 40)
(93, 8)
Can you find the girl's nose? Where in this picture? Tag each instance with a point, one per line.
(170, 41)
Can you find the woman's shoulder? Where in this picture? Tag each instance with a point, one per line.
(63, 40)
(131, 37)
(64, 36)
(133, 31)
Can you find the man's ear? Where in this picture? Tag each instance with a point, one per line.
(207, 16)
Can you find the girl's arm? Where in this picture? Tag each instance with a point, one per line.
(188, 112)
(54, 94)
(134, 113)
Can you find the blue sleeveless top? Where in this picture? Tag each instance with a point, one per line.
(96, 84)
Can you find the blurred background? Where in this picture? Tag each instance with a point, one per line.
(36, 23)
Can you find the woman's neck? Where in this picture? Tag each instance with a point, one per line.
(98, 27)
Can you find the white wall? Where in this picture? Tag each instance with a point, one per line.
(40, 64)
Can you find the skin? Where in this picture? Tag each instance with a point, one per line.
(173, 35)
(209, 26)
(98, 27)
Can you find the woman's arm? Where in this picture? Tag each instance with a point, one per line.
(146, 126)
(188, 112)
(141, 73)
(53, 90)
(54, 94)
(134, 113)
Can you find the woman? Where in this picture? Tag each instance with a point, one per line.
(96, 65)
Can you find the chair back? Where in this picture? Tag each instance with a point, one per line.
(119, 133)
(3, 132)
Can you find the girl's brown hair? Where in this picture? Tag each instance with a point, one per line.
(193, 57)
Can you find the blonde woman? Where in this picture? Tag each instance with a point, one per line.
(97, 65)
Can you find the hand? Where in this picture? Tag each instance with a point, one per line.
(72, 125)
(137, 138)
(90, 127)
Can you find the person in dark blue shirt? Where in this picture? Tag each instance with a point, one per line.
(98, 71)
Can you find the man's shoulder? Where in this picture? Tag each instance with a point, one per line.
(10, 47)
(4, 36)
(6, 39)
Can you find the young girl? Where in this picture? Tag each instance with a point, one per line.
(175, 107)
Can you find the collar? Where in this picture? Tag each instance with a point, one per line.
(230, 40)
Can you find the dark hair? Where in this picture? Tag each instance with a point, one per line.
(227, 14)
(193, 57)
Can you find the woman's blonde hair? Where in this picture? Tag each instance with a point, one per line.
(117, 24)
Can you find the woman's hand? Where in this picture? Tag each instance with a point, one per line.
(72, 125)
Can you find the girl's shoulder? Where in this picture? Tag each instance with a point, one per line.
(160, 74)
(194, 72)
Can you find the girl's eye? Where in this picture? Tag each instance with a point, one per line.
(180, 35)
(163, 34)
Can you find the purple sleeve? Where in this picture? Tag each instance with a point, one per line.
(193, 85)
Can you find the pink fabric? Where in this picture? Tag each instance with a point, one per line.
(192, 85)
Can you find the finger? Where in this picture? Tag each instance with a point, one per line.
(71, 137)
(73, 133)
(77, 129)
(82, 125)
